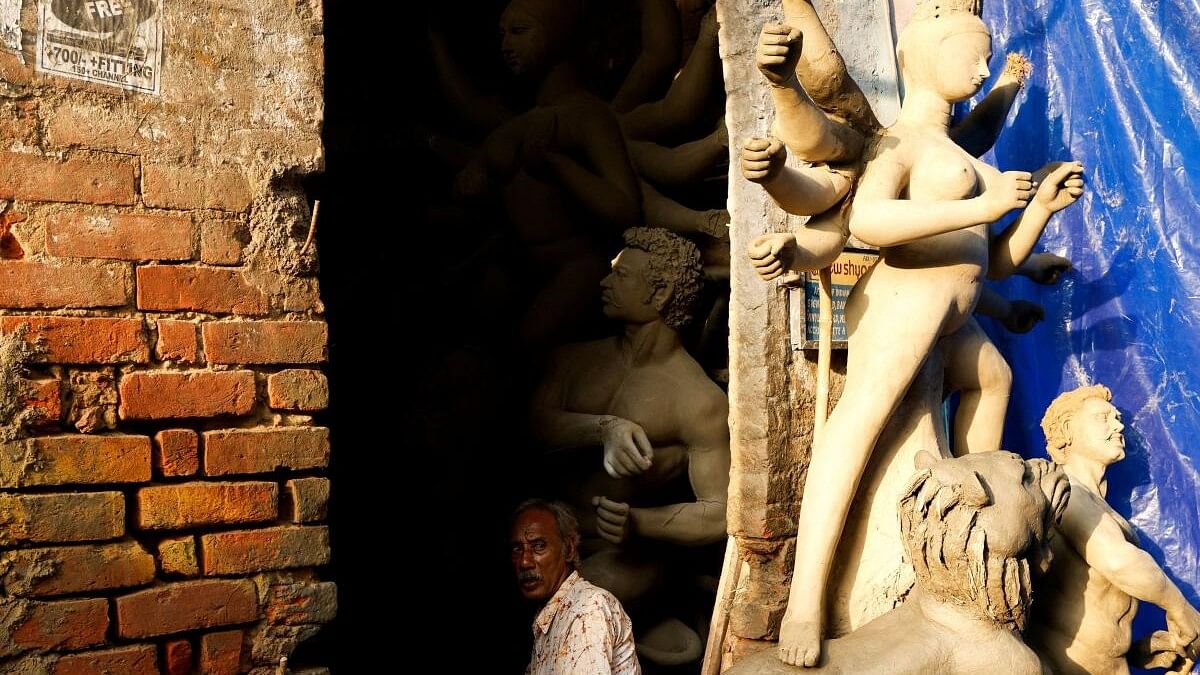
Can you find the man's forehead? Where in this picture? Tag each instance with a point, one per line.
(630, 257)
(534, 525)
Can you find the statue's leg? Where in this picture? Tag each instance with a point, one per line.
(886, 351)
(976, 368)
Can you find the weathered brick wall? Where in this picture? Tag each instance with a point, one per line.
(161, 334)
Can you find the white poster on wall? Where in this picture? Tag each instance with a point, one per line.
(113, 42)
(10, 25)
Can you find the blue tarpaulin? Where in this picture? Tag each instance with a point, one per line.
(1115, 86)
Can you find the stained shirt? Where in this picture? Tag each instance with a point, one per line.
(583, 630)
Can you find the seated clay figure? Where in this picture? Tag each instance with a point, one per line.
(659, 419)
(1084, 608)
(974, 528)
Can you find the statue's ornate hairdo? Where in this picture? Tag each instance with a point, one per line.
(674, 261)
(935, 9)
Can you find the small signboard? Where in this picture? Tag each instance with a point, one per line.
(805, 301)
(112, 42)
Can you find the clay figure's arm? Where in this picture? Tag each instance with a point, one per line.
(1091, 528)
(799, 123)
(627, 450)
(689, 92)
(1018, 316)
(607, 186)
(656, 65)
(683, 164)
(1059, 184)
(786, 254)
(660, 210)
(702, 521)
(822, 71)
(1044, 268)
(878, 217)
(800, 191)
(480, 111)
(978, 131)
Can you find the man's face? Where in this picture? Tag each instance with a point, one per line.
(626, 291)
(538, 555)
(1096, 432)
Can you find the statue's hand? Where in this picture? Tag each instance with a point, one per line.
(471, 182)
(779, 48)
(763, 159)
(1045, 268)
(612, 519)
(771, 254)
(1184, 627)
(1023, 316)
(627, 450)
(1012, 191)
(1059, 185)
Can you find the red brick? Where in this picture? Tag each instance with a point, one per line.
(177, 452)
(168, 507)
(131, 660)
(298, 389)
(69, 624)
(123, 236)
(221, 653)
(19, 122)
(178, 187)
(222, 241)
(306, 602)
(178, 657)
(46, 179)
(177, 556)
(262, 450)
(133, 127)
(272, 548)
(168, 288)
(76, 569)
(262, 342)
(78, 340)
(33, 285)
(46, 402)
(75, 459)
(177, 341)
(186, 605)
(52, 518)
(310, 499)
(171, 395)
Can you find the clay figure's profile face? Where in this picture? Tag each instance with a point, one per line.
(1096, 432)
(626, 292)
(962, 64)
(539, 558)
(524, 42)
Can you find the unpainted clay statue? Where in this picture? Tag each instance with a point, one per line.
(650, 406)
(975, 528)
(1085, 606)
(926, 203)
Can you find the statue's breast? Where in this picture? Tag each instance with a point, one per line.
(942, 173)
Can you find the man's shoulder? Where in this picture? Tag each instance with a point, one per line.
(587, 596)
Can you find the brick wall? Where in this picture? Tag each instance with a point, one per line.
(161, 340)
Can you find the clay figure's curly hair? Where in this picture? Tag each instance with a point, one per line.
(674, 262)
(1058, 415)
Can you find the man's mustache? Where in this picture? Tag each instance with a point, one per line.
(528, 576)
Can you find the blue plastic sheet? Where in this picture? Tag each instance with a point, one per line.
(1115, 86)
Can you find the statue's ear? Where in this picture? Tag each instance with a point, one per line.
(662, 295)
(924, 459)
(974, 492)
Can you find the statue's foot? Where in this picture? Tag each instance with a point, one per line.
(800, 643)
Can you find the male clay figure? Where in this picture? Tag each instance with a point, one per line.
(1085, 607)
(973, 528)
(648, 403)
(580, 628)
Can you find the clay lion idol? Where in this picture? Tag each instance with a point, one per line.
(1084, 609)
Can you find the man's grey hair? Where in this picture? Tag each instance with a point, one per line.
(564, 520)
